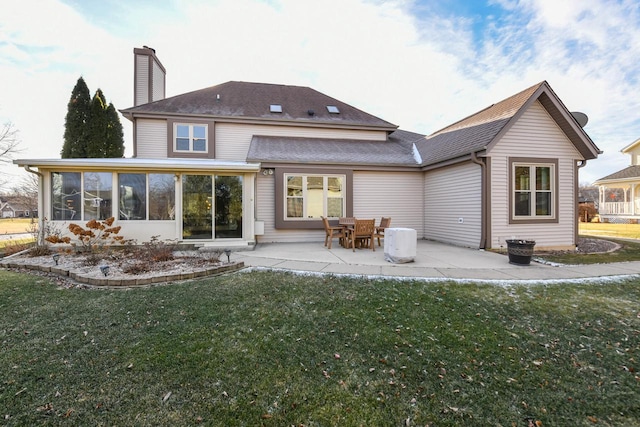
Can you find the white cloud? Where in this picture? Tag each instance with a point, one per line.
(420, 71)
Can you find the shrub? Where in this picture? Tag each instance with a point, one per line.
(15, 247)
(137, 268)
(96, 234)
(158, 250)
(39, 250)
(586, 211)
(92, 259)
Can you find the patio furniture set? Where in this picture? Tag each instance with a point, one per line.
(355, 233)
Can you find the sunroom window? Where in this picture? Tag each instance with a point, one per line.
(313, 196)
(66, 196)
(533, 186)
(134, 197)
(132, 201)
(190, 138)
(97, 195)
(84, 196)
(81, 196)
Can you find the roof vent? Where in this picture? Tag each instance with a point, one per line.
(333, 109)
(275, 108)
(311, 113)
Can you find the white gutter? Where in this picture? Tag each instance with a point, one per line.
(172, 165)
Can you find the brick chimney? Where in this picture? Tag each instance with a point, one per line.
(149, 76)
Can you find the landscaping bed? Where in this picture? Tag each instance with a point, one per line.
(124, 268)
(594, 251)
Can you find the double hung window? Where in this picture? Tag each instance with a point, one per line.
(190, 138)
(534, 190)
(313, 196)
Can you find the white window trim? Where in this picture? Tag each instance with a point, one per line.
(191, 138)
(532, 190)
(325, 195)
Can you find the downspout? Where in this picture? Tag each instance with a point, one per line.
(576, 233)
(40, 238)
(483, 198)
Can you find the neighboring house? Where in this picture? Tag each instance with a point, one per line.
(619, 193)
(241, 163)
(16, 207)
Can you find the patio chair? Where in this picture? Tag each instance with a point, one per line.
(385, 222)
(346, 221)
(361, 234)
(331, 232)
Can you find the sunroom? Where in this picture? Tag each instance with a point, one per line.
(202, 202)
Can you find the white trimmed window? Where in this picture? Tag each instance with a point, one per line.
(533, 191)
(190, 138)
(313, 196)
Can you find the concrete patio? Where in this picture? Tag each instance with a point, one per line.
(433, 260)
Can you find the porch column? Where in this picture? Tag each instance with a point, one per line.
(600, 197)
(633, 199)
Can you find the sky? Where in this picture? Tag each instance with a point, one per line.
(421, 64)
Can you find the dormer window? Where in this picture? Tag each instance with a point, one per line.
(333, 109)
(275, 108)
(190, 138)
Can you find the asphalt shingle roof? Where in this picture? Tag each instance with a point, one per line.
(474, 132)
(252, 100)
(477, 131)
(243, 100)
(626, 173)
(396, 151)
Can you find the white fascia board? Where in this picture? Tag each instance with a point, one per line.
(137, 164)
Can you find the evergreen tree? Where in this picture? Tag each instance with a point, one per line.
(114, 146)
(92, 128)
(76, 122)
(97, 126)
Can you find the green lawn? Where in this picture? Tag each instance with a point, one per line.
(279, 349)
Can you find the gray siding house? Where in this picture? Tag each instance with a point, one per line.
(240, 163)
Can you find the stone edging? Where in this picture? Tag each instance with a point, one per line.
(95, 281)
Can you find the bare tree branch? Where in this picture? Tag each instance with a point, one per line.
(27, 186)
(9, 142)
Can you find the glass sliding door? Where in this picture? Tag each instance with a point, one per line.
(197, 219)
(209, 200)
(228, 207)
